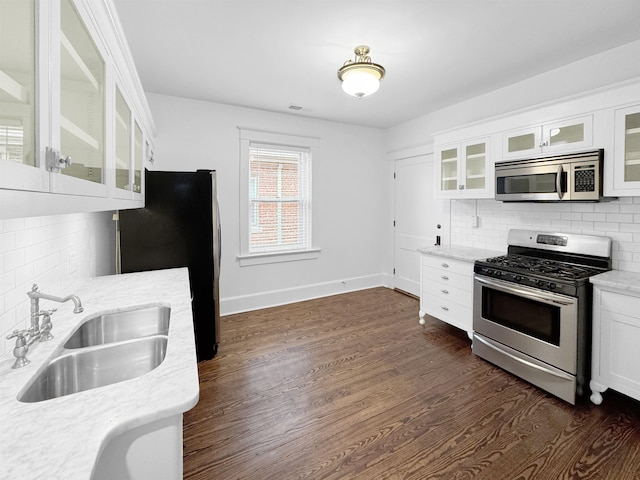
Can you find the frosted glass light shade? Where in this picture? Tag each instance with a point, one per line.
(361, 82)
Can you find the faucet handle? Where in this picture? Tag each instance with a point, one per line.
(21, 348)
(20, 335)
(34, 287)
(45, 328)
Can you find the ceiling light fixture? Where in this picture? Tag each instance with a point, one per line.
(361, 77)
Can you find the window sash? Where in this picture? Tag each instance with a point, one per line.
(279, 198)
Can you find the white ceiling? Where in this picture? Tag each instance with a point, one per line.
(270, 54)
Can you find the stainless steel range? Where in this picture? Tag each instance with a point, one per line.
(532, 308)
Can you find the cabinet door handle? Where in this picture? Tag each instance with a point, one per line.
(445, 265)
(446, 292)
(445, 308)
(444, 277)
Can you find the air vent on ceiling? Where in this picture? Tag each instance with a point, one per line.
(295, 107)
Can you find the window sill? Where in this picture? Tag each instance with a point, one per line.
(279, 257)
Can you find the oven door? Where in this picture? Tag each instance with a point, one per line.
(538, 323)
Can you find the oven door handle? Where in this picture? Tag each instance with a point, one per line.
(559, 182)
(562, 375)
(544, 296)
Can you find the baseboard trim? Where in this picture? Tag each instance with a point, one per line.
(274, 298)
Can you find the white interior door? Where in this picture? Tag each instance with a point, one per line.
(417, 213)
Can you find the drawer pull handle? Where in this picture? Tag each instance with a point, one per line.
(444, 308)
(445, 265)
(444, 277)
(446, 292)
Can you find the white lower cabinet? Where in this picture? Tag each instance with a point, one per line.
(152, 450)
(446, 291)
(615, 361)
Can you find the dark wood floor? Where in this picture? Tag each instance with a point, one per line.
(352, 387)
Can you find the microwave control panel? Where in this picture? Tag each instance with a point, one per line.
(584, 178)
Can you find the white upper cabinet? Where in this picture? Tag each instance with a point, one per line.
(558, 136)
(463, 169)
(73, 117)
(622, 167)
(19, 162)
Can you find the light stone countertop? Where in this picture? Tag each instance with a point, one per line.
(62, 438)
(618, 280)
(467, 254)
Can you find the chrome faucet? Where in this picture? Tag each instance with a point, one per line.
(34, 296)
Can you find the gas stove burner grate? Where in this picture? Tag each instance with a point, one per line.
(550, 268)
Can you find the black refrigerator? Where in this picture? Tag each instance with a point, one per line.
(179, 227)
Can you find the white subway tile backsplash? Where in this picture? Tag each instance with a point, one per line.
(618, 219)
(38, 250)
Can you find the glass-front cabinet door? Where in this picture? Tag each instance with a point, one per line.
(138, 155)
(123, 142)
(448, 161)
(520, 143)
(19, 165)
(82, 106)
(475, 166)
(572, 134)
(626, 149)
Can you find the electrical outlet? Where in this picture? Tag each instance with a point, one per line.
(474, 221)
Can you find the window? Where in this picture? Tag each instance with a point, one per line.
(277, 201)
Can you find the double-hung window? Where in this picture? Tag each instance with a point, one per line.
(277, 197)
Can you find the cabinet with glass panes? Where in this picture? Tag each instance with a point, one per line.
(62, 113)
(562, 135)
(622, 165)
(463, 169)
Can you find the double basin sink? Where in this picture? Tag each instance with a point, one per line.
(104, 349)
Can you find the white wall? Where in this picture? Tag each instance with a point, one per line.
(618, 219)
(354, 208)
(59, 253)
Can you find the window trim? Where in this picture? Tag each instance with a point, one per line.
(248, 136)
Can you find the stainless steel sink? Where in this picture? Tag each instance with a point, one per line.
(120, 326)
(79, 370)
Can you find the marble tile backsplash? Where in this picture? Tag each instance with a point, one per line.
(618, 219)
(56, 252)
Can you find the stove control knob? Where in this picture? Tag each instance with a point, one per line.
(540, 283)
(552, 286)
(517, 278)
(498, 273)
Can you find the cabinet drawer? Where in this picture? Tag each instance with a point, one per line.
(620, 303)
(448, 311)
(447, 278)
(448, 293)
(448, 264)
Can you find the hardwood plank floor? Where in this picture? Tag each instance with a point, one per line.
(352, 387)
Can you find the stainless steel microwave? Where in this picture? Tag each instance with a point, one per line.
(572, 177)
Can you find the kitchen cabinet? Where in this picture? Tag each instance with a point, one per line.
(74, 121)
(557, 136)
(616, 336)
(622, 170)
(447, 291)
(463, 169)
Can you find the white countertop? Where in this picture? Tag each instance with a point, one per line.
(62, 438)
(618, 280)
(468, 254)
